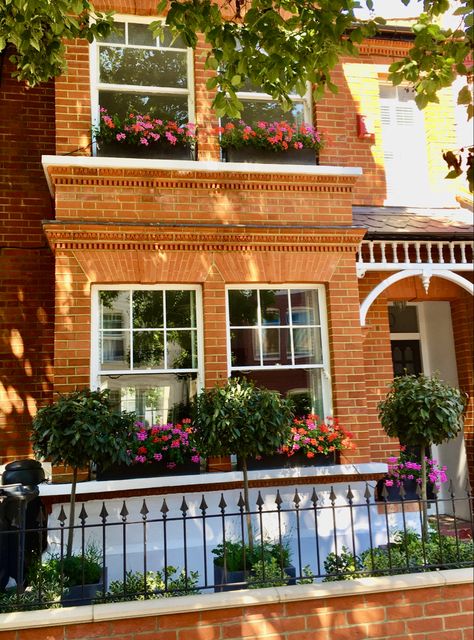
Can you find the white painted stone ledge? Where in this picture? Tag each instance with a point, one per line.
(102, 487)
(231, 599)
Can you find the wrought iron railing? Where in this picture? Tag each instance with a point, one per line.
(159, 547)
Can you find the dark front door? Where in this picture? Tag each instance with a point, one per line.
(406, 357)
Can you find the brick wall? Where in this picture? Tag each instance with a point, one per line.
(26, 262)
(428, 613)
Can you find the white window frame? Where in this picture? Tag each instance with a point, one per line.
(96, 85)
(96, 372)
(323, 317)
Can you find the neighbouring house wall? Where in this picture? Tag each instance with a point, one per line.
(463, 322)
(435, 612)
(26, 262)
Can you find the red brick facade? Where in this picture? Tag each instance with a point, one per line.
(292, 229)
(27, 121)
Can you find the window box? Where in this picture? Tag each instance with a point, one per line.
(147, 470)
(282, 461)
(268, 156)
(151, 152)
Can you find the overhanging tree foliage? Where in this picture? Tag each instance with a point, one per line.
(280, 45)
(37, 29)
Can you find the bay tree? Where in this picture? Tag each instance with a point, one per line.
(421, 411)
(241, 419)
(78, 428)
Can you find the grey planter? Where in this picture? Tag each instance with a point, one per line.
(156, 151)
(267, 156)
(233, 580)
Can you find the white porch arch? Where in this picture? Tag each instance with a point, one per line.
(425, 274)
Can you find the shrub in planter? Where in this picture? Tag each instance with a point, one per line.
(236, 562)
(420, 411)
(240, 418)
(82, 575)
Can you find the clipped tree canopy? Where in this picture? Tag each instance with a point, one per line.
(240, 418)
(420, 410)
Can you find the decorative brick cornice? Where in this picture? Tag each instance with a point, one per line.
(68, 172)
(78, 236)
(202, 180)
(385, 48)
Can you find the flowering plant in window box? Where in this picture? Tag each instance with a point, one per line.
(281, 141)
(161, 449)
(169, 444)
(140, 134)
(312, 437)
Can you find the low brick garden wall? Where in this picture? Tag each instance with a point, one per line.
(434, 606)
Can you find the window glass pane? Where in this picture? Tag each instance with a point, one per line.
(156, 106)
(403, 319)
(117, 36)
(244, 345)
(181, 349)
(180, 309)
(304, 386)
(140, 34)
(166, 40)
(305, 306)
(243, 307)
(148, 350)
(271, 111)
(147, 309)
(155, 398)
(274, 343)
(307, 346)
(114, 309)
(274, 306)
(114, 350)
(144, 67)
